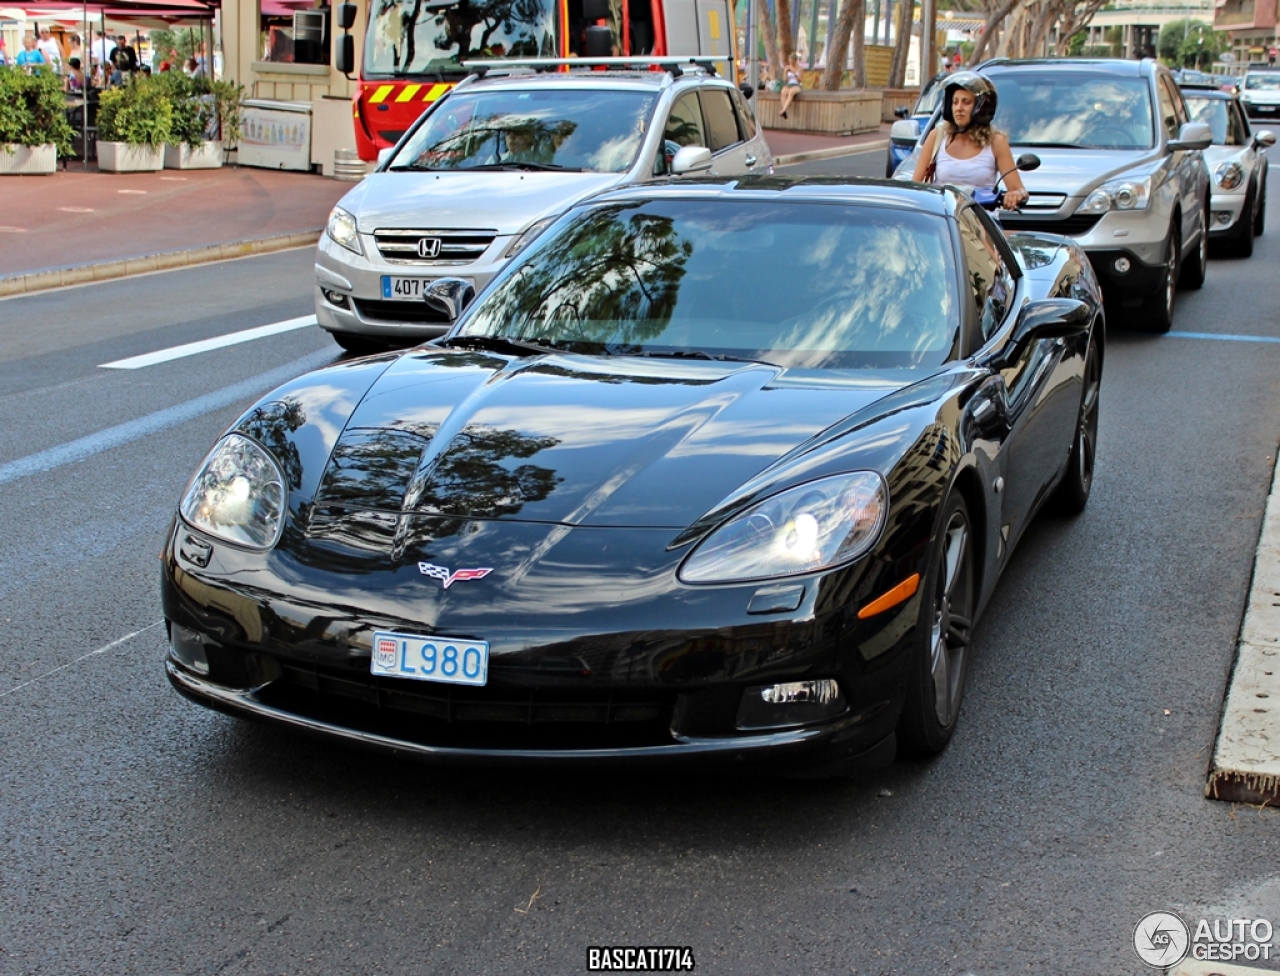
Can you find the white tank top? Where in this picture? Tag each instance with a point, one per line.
(980, 171)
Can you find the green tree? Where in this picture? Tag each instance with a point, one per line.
(1182, 42)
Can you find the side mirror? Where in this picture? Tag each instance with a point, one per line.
(449, 296)
(905, 130)
(1193, 135)
(747, 90)
(901, 112)
(1265, 139)
(344, 53)
(384, 156)
(1051, 318)
(346, 16)
(1028, 162)
(691, 159)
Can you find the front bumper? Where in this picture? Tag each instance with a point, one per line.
(349, 290)
(1260, 110)
(1225, 208)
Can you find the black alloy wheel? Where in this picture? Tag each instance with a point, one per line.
(1072, 494)
(1160, 303)
(944, 629)
(1194, 271)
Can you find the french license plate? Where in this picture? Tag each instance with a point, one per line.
(404, 289)
(446, 659)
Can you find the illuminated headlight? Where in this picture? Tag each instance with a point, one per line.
(529, 236)
(342, 230)
(238, 495)
(1118, 195)
(801, 530)
(1229, 176)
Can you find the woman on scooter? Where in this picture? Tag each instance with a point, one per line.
(964, 149)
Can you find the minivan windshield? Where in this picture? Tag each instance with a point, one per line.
(793, 284)
(568, 129)
(1267, 82)
(1074, 109)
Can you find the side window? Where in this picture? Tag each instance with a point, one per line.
(746, 117)
(722, 127)
(684, 128)
(1237, 127)
(989, 280)
(1168, 113)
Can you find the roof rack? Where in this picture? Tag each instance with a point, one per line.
(675, 65)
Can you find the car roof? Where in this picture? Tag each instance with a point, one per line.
(593, 80)
(1114, 66)
(795, 189)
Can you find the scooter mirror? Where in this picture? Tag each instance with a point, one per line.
(1028, 161)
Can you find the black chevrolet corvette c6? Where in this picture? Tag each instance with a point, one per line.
(717, 470)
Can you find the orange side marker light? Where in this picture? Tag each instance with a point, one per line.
(903, 591)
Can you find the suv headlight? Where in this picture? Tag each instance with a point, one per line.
(1229, 175)
(342, 230)
(1118, 195)
(810, 527)
(238, 495)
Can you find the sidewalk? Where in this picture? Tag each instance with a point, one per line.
(76, 226)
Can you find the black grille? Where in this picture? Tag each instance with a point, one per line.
(1075, 224)
(417, 312)
(445, 247)
(462, 716)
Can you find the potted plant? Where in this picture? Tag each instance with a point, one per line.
(193, 138)
(33, 122)
(134, 123)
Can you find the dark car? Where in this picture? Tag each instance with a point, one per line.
(712, 471)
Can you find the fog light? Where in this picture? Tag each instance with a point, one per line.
(1121, 265)
(188, 650)
(793, 703)
(1222, 217)
(335, 298)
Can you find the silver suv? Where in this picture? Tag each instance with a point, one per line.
(496, 161)
(1122, 173)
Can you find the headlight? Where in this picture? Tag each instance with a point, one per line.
(1118, 195)
(238, 494)
(800, 530)
(1229, 176)
(342, 230)
(529, 236)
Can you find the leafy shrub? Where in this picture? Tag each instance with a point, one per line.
(140, 114)
(32, 110)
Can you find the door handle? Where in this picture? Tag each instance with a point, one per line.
(751, 160)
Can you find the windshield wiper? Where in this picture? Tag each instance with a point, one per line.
(1053, 145)
(696, 354)
(548, 167)
(493, 343)
(414, 168)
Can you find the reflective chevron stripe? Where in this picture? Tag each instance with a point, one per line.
(382, 92)
(407, 93)
(436, 91)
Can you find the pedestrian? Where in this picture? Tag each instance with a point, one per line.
(123, 56)
(189, 69)
(964, 149)
(30, 57)
(4, 59)
(99, 49)
(48, 46)
(791, 84)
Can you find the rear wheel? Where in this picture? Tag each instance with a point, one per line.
(936, 686)
(1072, 494)
(1197, 266)
(1160, 304)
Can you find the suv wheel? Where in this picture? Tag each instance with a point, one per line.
(1160, 304)
(1193, 271)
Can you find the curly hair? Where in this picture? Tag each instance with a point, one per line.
(980, 134)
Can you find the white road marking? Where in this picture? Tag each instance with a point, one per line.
(83, 657)
(205, 345)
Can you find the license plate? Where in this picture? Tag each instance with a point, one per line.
(404, 289)
(446, 659)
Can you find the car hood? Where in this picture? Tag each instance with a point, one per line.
(1215, 156)
(503, 201)
(576, 440)
(1077, 172)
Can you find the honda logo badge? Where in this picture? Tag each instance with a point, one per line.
(429, 247)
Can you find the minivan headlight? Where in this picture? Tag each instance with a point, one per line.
(238, 495)
(1229, 175)
(342, 230)
(1118, 195)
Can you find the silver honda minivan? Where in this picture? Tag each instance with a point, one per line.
(1121, 172)
(496, 161)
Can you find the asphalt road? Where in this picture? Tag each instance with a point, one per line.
(142, 834)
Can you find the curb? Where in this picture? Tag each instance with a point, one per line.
(25, 284)
(834, 152)
(1246, 759)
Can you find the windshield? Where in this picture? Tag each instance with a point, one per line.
(805, 285)
(1074, 110)
(930, 98)
(1216, 114)
(412, 37)
(1262, 82)
(600, 131)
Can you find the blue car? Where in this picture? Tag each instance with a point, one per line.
(900, 146)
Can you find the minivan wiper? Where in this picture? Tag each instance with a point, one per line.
(537, 167)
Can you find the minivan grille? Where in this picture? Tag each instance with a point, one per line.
(433, 247)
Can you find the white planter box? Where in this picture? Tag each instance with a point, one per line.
(28, 160)
(120, 157)
(207, 155)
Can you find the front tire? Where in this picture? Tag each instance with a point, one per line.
(1241, 243)
(1260, 220)
(935, 688)
(1194, 271)
(1160, 305)
(1072, 494)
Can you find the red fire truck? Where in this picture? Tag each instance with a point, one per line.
(414, 49)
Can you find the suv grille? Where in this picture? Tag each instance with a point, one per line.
(435, 247)
(1075, 224)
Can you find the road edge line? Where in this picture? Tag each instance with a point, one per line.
(1246, 758)
(832, 153)
(39, 281)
